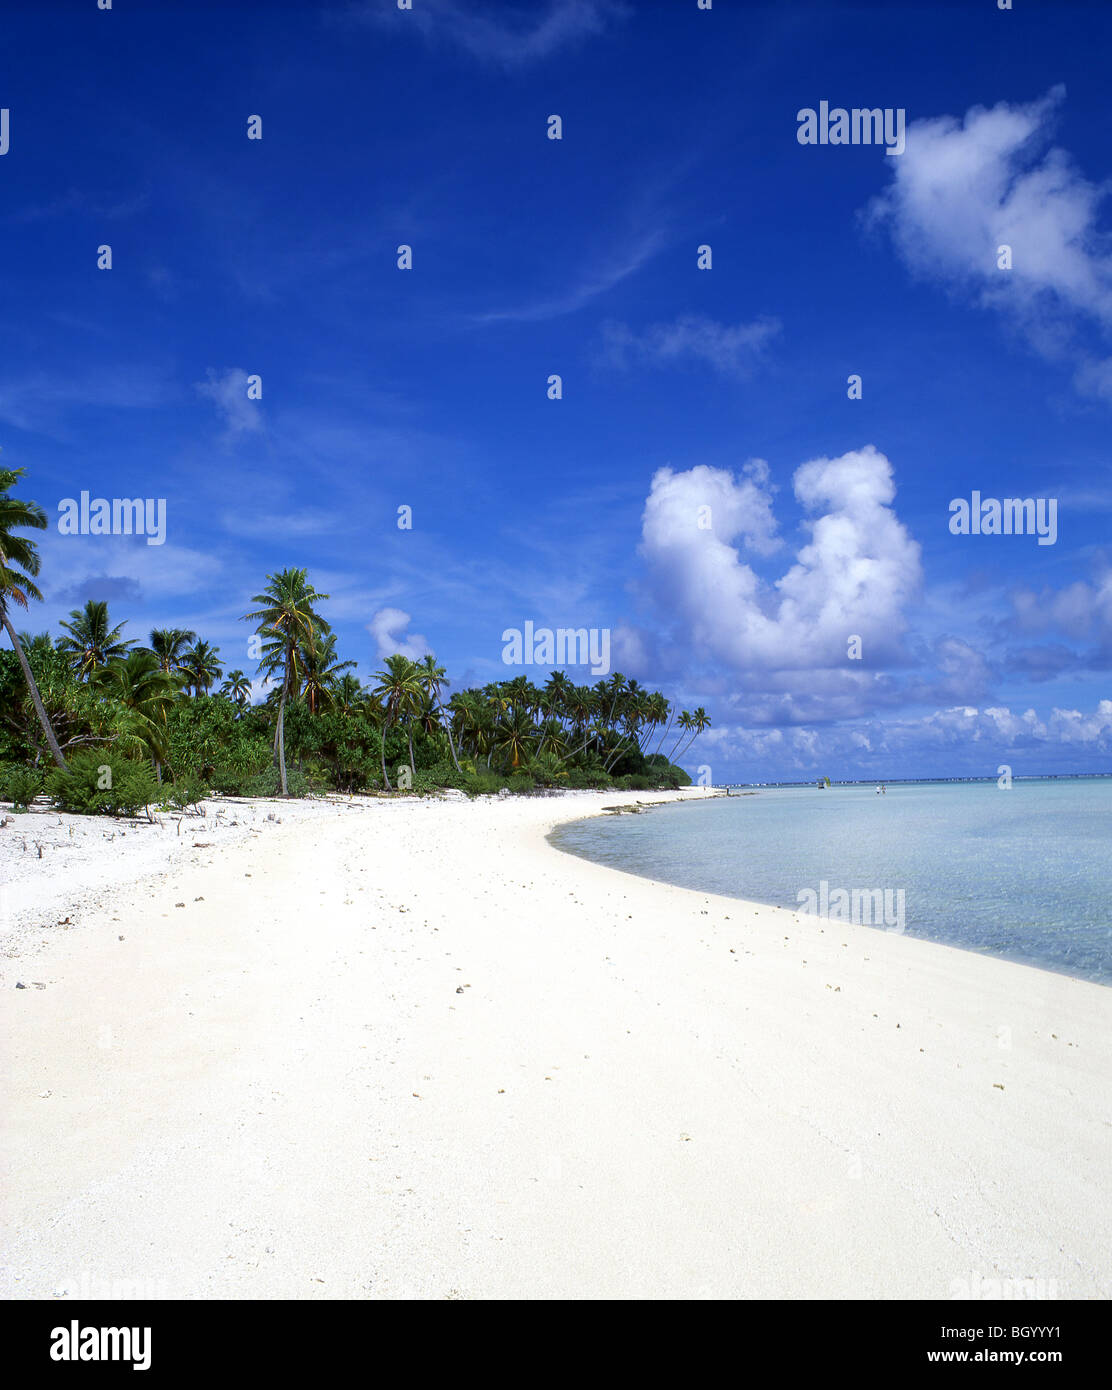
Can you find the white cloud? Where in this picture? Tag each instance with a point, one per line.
(503, 34)
(388, 628)
(965, 187)
(622, 262)
(854, 576)
(731, 350)
(229, 391)
(43, 403)
(975, 740)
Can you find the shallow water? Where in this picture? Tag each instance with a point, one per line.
(1022, 873)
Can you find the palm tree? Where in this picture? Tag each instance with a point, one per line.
(432, 677)
(552, 739)
(290, 626)
(237, 687)
(322, 671)
(657, 714)
(683, 723)
(92, 642)
(399, 687)
(201, 667)
(169, 645)
(374, 711)
(515, 735)
(37, 644)
(146, 692)
(696, 722)
(19, 563)
(348, 693)
(471, 718)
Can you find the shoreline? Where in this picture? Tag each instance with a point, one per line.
(419, 1051)
(753, 903)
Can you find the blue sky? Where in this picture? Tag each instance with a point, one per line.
(682, 388)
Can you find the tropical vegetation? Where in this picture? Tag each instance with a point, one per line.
(121, 721)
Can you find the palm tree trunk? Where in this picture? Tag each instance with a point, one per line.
(452, 746)
(382, 749)
(409, 740)
(282, 735)
(689, 742)
(664, 735)
(36, 698)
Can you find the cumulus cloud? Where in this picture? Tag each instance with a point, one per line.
(964, 187)
(229, 392)
(853, 577)
(973, 739)
(388, 628)
(1078, 610)
(732, 350)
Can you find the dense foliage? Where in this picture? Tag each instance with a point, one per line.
(92, 699)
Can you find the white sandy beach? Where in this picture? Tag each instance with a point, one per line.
(391, 1049)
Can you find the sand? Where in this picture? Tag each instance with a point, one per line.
(408, 1049)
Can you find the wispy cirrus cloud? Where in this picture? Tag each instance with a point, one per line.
(732, 350)
(502, 34)
(42, 402)
(597, 280)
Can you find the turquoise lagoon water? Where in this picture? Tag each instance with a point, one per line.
(1025, 873)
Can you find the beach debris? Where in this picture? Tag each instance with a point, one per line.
(198, 900)
(459, 989)
(179, 904)
(45, 1095)
(20, 985)
(997, 1085)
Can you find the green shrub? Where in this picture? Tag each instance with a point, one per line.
(269, 783)
(184, 791)
(582, 780)
(547, 770)
(21, 786)
(98, 782)
(483, 784)
(233, 781)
